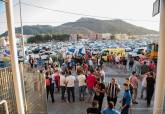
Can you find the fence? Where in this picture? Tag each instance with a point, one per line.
(4, 103)
(35, 94)
(7, 91)
(33, 88)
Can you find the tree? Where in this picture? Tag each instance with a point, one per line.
(48, 37)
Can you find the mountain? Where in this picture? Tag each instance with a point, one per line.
(88, 25)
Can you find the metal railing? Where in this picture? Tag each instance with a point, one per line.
(4, 102)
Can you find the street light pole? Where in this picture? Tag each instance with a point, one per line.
(160, 79)
(14, 58)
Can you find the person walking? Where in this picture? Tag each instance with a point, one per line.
(57, 80)
(117, 61)
(99, 93)
(91, 81)
(110, 109)
(150, 87)
(64, 68)
(144, 85)
(102, 72)
(90, 63)
(49, 87)
(131, 63)
(82, 84)
(70, 83)
(144, 68)
(85, 68)
(52, 90)
(62, 85)
(134, 83)
(112, 91)
(124, 61)
(126, 101)
(137, 67)
(127, 81)
(47, 83)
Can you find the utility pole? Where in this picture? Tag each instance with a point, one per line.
(22, 37)
(14, 58)
(160, 79)
(23, 52)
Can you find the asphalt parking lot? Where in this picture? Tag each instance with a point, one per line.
(80, 107)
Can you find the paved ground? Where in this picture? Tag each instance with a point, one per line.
(80, 107)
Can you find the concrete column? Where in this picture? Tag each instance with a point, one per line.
(14, 58)
(160, 80)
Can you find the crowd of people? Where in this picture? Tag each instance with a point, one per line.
(64, 74)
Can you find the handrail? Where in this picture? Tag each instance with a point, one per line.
(6, 106)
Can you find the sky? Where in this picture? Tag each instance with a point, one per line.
(137, 12)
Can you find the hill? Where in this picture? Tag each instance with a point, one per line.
(88, 25)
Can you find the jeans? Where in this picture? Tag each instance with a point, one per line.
(142, 91)
(50, 91)
(81, 92)
(63, 88)
(71, 90)
(150, 92)
(99, 99)
(47, 91)
(125, 110)
(130, 67)
(114, 100)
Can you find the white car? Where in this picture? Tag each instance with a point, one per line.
(137, 52)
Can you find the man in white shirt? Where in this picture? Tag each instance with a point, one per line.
(117, 60)
(102, 72)
(62, 85)
(90, 62)
(82, 83)
(70, 83)
(53, 78)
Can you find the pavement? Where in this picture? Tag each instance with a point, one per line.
(80, 107)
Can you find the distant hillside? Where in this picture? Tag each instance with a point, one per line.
(88, 25)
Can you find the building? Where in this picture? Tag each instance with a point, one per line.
(121, 36)
(19, 38)
(91, 36)
(106, 35)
